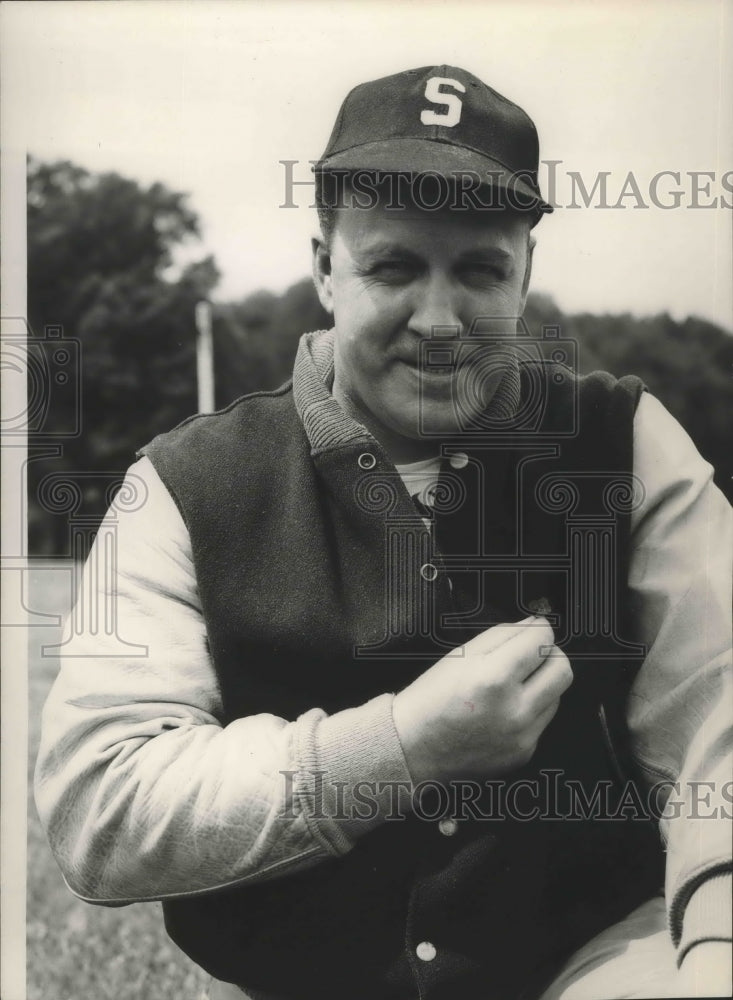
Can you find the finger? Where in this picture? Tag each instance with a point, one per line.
(544, 719)
(537, 727)
(498, 636)
(548, 683)
(522, 654)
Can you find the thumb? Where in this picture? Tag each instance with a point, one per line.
(493, 638)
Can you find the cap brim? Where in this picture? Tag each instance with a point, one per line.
(432, 156)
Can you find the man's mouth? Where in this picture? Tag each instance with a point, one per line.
(423, 369)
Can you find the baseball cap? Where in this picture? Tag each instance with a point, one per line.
(437, 120)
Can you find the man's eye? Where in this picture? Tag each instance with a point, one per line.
(393, 270)
(483, 272)
(482, 275)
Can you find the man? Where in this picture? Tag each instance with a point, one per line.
(431, 509)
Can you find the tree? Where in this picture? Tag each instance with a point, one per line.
(256, 339)
(101, 266)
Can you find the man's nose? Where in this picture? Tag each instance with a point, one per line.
(437, 303)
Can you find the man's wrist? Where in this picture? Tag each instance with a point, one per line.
(354, 760)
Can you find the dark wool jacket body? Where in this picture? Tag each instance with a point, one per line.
(321, 586)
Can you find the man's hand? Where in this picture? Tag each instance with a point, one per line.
(482, 713)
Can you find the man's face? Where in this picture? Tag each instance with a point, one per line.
(390, 279)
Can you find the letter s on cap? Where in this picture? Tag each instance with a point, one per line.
(453, 104)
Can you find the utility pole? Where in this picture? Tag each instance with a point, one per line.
(204, 357)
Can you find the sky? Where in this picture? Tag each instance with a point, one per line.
(209, 97)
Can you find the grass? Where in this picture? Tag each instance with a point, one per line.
(77, 951)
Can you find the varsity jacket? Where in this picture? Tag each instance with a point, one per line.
(292, 567)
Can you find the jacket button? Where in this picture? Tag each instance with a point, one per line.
(429, 572)
(366, 460)
(448, 826)
(459, 460)
(425, 951)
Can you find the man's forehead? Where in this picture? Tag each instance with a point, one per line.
(385, 228)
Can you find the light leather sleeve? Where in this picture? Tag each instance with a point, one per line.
(143, 792)
(681, 705)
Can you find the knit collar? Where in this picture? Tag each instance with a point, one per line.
(326, 423)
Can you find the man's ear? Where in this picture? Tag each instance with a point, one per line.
(322, 273)
(528, 270)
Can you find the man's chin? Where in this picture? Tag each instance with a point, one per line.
(448, 420)
(437, 411)
(462, 411)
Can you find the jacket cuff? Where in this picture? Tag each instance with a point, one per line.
(708, 914)
(352, 772)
